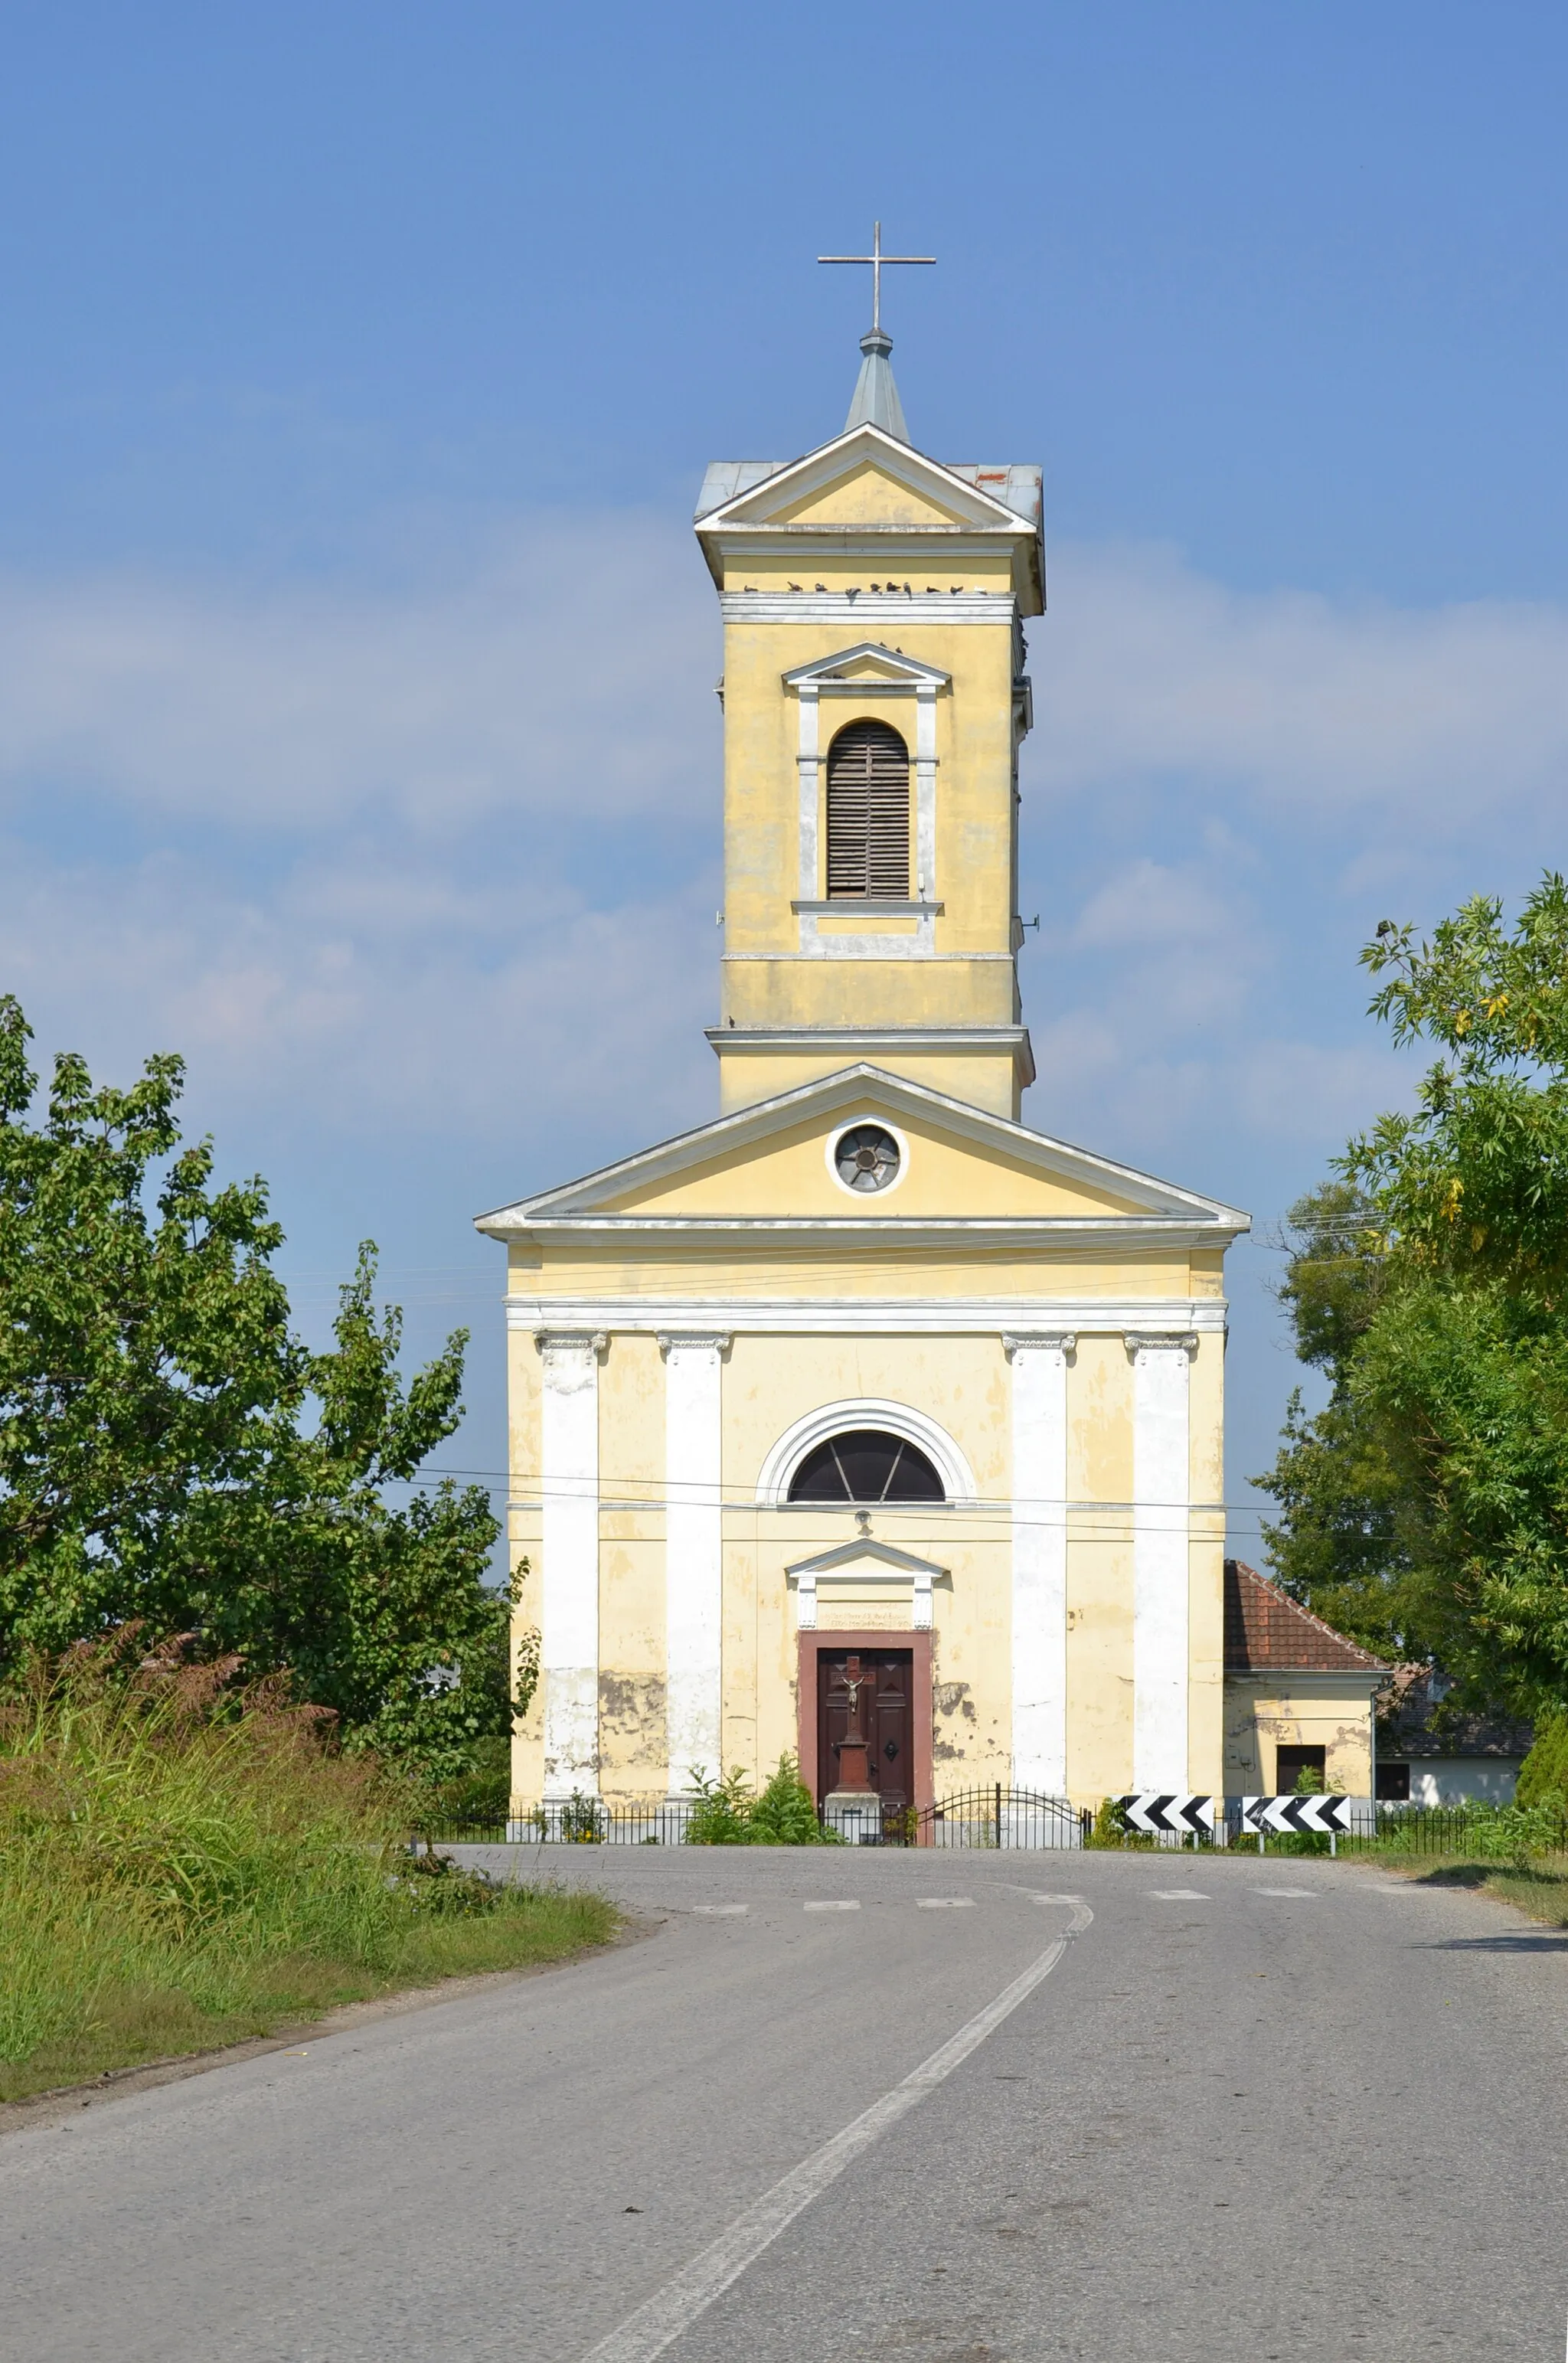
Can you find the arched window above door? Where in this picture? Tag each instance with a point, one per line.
(868, 814)
(866, 1465)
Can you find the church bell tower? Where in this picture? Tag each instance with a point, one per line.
(875, 703)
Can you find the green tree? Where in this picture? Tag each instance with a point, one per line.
(1432, 1490)
(1543, 1775)
(171, 1453)
(1347, 1542)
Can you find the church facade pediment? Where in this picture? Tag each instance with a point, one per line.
(953, 1165)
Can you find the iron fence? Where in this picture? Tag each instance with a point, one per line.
(1484, 1829)
(998, 1816)
(573, 1821)
(994, 1816)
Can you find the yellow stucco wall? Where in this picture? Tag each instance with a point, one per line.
(683, 1268)
(974, 828)
(1331, 1711)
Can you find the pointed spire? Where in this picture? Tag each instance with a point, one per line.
(876, 401)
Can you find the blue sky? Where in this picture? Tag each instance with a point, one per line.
(337, 337)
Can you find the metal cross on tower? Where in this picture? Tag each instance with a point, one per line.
(877, 260)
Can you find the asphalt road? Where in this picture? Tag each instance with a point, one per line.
(1246, 2123)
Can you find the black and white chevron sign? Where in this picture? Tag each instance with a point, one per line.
(1167, 1816)
(1326, 1817)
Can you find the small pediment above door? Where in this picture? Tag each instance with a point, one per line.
(863, 1568)
(868, 665)
(869, 1559)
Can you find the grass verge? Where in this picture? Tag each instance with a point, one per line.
(181, 1868)
(130, 2022)
(1539, 1888)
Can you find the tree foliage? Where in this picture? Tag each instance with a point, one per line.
(1425, 1508)
(172, 1454)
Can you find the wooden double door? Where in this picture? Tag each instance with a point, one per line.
(885, 1717)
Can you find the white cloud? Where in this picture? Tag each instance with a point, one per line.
(566, 670)
(1369, 713)
(385, 850)
(1304, 1092)
(386, 1005)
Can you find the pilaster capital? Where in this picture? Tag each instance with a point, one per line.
(1140, 1342)
(716, 1343)
(557, 1346)
(1062, 1343)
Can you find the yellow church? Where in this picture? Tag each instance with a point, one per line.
(866, 1412)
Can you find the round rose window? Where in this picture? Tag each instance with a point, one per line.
(867, 1157)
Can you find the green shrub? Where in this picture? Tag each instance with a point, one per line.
(1543, 1775)
(784, 1813)
(1110, 1830)
(721, 1812)
(725, 1814)
(1514, 1833)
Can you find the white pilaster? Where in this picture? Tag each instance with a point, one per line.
(1161, 1519)
(569, 1619)
(693, 1553)
(808, 761)
(925, 794)
(1039, 1559)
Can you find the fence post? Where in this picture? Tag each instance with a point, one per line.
(999, 1816)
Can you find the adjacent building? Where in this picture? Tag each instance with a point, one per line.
(1299, 1696)
(1431, 1754)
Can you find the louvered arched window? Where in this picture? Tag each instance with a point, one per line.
(868, 814)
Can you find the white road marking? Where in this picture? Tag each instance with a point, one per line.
(945, 1902)
(1177, 1895)
(719, 1911)
(830, 1907)
(672, 2310)
(1287, 1891)
(1035, 1896)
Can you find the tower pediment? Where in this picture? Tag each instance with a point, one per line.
(930, 490)
(866, 483)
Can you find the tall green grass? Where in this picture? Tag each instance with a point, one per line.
(179, 1864)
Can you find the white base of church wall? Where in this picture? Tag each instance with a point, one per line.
(571, 1732)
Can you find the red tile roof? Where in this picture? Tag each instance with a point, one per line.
(1266, 1631)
